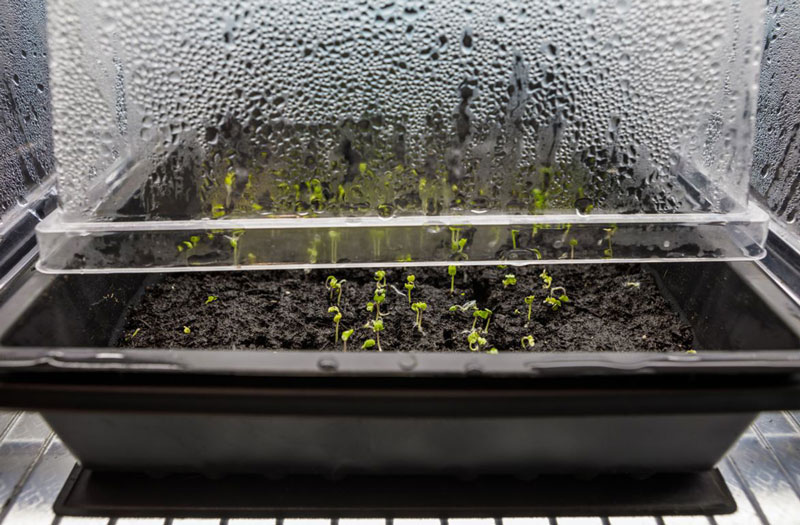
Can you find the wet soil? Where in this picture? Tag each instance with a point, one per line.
(610, 308)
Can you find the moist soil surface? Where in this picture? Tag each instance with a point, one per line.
(610, 308)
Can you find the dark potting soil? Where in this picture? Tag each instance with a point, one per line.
(610, 308)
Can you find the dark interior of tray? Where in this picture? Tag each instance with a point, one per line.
(724, 309)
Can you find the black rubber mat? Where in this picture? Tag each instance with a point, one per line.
(88, 493)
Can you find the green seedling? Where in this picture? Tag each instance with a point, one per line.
(537, 253)
(334, 285)
(334, 236)
(378, 297)
(419, 308)
(455, 239)
(229, 179)
(380, 277)
(131, 336)
(529, 302)
(217, 211)
(451, 271)
(547, 281)
(492, 350)
(609, 252)
(566, 232)
(190, 244)
(234, 240)
(345, 336)
(633, 284)
(370, 306)
(377, 327)
(562, 296)
(554, 301)
(336, 318)
(572, 244)
(313, 250)
(211, 299)
(527, 342)
(484, 314)
(187, 330)
(475, 340)
(510, 280)
(377, 238)
(466, 307)
(369, 343)
(409, 286)
(514, 234)
(538, 199)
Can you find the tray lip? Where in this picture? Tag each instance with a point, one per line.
(412, 364)
(312, 363)
(58, 222)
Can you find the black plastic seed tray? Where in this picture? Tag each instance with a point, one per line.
(310, 413)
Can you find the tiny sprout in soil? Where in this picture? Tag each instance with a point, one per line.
(554, 301)
(369, 343)
(451, 271)
(419, 308)
(234, 240)
(377, 327)
(609, 252)
(336, 318)
(187, 330)
(409, 286)
(334, 285)
(379, 297)
(380, 277)
(572, 244)
(547, 281)
(475, 341)
(510, 280)
(529, 303)
(484, 314)
(345, 336)
(528, 342)
(457, 244)
(211, 299)
(131, 336)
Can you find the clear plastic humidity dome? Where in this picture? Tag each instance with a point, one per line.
(270, 133)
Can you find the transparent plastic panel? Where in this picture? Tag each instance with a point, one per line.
(776, 162)
(26, 144)
(204, 134)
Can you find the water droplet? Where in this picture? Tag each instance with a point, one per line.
(408, 362)
(473, 368)
(328, 364)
